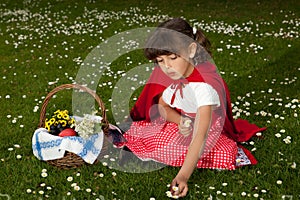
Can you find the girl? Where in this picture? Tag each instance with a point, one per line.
(183, 115)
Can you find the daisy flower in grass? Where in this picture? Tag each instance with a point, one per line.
(44, 174)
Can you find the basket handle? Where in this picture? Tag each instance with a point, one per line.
(76, 86)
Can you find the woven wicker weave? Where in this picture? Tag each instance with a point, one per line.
(71, 160)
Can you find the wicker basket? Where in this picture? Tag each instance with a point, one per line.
(71, 160)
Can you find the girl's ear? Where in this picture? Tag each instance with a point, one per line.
(192, 49)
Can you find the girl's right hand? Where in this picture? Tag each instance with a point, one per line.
(185, 126)
(180, 185)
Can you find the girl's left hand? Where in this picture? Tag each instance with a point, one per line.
(179, 184)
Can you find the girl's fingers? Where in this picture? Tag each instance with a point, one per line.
(185, 133)
(185, 130)
(173, 185)
(183, 192)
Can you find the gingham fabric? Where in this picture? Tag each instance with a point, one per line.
(161, 142)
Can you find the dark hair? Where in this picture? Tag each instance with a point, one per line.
(173, 36)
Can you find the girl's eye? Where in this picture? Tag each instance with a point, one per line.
(173, 57)
(159, 60)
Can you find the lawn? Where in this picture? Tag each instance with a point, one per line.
(44, 44)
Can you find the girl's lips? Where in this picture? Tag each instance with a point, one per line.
(171, 73)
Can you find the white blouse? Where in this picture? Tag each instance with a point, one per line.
(195, 94)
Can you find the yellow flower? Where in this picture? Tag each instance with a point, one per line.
(71, 121)
(56, 112)
(47, 127)
(52, 120)
(65, 116)
(62, 122)
(65, 112)
(49, 122)
(59, 115)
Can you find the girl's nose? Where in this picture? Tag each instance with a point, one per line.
(167, 65)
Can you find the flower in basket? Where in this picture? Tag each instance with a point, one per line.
(88, 125)
(60, 122)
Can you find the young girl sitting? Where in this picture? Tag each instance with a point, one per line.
(183, 116)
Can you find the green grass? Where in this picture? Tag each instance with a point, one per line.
(34, 53)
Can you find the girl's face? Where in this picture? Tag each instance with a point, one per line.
(175, 66)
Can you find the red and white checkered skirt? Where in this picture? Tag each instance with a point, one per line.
(160, 141)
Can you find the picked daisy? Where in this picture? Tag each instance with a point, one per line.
(169, 193)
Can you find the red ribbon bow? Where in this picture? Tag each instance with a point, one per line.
(178, 85)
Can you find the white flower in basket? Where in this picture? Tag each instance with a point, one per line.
(88, 125)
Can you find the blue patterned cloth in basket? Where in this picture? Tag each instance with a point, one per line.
(50, 147)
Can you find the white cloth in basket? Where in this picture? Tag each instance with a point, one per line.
(50, 147)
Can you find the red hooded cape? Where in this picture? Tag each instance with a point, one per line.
(239, 130)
